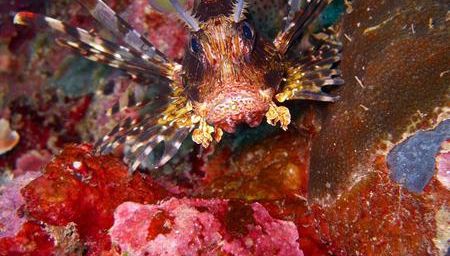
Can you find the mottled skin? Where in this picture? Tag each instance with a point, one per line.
(232, 78)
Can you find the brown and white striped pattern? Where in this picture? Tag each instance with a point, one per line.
(315, 69)
(121, 29)
(96, 48)
(298, 24)
(141, 134)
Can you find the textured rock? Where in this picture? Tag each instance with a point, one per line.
(395, 64)
(202, 227)
(78, 187)
(379, 217)
(32, 239)
(273, 168)
(442, 240)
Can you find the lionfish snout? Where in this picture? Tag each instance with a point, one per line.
(233, 105)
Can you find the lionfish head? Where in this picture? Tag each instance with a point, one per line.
(230, 73)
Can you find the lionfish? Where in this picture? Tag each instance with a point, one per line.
(230, 74)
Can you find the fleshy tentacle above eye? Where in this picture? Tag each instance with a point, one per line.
(294, 7)
(186, 16)
(239, 9)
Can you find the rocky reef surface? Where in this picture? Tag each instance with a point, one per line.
(368, 175)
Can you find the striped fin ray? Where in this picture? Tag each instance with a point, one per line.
(142, 116)
(315, 69)
(294, 7)
(129, 100)
(298, 23)
(94, 47)
(172, 144)
(143, 129)
(171, 137)
(121, 29)
(168, 125)
(143, 137)
(324, 55)
(100, 57)
(126, 131)
(41, 22)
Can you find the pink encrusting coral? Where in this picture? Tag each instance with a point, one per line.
(202, 227)
(443, 164)
(10, 202)
(33, 160)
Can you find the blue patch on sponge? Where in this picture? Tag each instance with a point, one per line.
(412, 162)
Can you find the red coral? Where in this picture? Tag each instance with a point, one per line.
(312, 228)
(379, 217)
(274, 168)
(202, 227)
(165, 31)
(85, 189)
(31, 240)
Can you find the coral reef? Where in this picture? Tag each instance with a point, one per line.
(443, 164)
(395, 65)
(11, 200)
(202, 227)
(367, 175)
(33, 160)
(272, 169)
(163, 28)
(32, 239)
(77, 187)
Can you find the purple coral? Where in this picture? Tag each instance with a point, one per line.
(10, 202)
(199, 227)
(443, 164)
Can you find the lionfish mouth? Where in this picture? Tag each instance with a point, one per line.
(233, 107)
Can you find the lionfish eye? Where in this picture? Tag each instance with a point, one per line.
(196, 47)
(247, 31)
